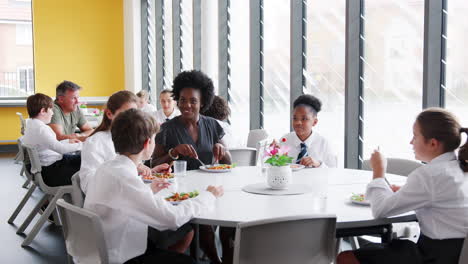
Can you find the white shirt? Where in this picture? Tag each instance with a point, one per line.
(97, 149)
(437, 192)
(161, 117)
(148, 108)
(127, 207)
(318, 148)
(42, 136)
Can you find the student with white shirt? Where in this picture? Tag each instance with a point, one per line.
(127, 206)
(57, 164)
(169, 109)
(437, 192)
(143, 102)
(306, 146)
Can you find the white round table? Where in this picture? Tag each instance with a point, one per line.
(331, 191)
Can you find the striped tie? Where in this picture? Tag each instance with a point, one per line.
(302, 154)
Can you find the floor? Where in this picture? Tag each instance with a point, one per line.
(48, 246)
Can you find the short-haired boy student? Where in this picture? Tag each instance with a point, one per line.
(127, 206)
(143, 102)
(306, 146)
(57, 165)
(437, 192)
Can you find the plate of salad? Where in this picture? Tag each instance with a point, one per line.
(177, 198)
(359, 198)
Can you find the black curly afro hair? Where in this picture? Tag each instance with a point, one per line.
(309, 100)
(219, 109)
(196, 80)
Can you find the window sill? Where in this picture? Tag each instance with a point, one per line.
(10, 102)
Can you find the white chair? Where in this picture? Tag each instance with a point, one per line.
(22, 122)
(464, 253)
(244, 156)
(255, 136)
(77, 194)
(401, 167)
(82, 230)
(29, 180)
(292, 240)
(50, 193)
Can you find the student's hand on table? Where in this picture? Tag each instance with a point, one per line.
(217, 191)
(143, 170)
(378, 164)
(74, 140)
(310, 162)
(219, 151)
(159, 184)
(395, 188)
(185, 150)
(162, 168)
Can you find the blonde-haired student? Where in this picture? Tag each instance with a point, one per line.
(127, 206)
(143, 102)
(306, 146)
(437, 192)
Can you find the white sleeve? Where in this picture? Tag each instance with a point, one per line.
(154, 211)
(49, 140)
(91, 158)
(330, 160)
(415, 194)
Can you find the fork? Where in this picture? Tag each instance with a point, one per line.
(201, 162)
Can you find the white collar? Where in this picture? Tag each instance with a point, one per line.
(447, 156)
(308, 141)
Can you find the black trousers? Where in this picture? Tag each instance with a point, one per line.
(60, 172)
(157, 255)
(427, 251)
(166, 238)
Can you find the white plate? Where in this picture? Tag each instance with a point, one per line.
(296, 167)
(203, 168)
(171, 180)
(365, 202)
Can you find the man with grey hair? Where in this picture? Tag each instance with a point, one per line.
(67, 115)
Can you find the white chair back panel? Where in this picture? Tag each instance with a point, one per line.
(299, 241)
(77, 194)
(255, 136)
(401, 167)
(83, 234)
(244, 156)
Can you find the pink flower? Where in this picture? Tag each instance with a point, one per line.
(283, 140)
(274, 151)
(283, 150)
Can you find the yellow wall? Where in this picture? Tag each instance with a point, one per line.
(76, 40)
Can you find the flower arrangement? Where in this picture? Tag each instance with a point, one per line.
(278, 155)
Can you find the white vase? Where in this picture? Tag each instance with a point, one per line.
(279, 177)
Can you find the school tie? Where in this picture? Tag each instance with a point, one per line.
(302, 154)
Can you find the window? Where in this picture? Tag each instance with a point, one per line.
(456, 89)
(276, 57)
(16, 50)
(167, 35)
(325, 67)
(187, 34)
(393, 71)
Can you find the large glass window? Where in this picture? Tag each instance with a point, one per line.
(239, 64)
(393, 70)
(16, 49)
(276, 57)
(325, 67)
(167, 35)
(456, 92)
(187, 34)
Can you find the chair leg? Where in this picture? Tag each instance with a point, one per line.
(21, 204)
(22, 171)
(26, 183)
(50, 208)
(32, 215)
(55, 215)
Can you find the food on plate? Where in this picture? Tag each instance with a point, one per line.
(165, 175)
(358, 197)
(149, 177)
(220, 167)
(177, 197)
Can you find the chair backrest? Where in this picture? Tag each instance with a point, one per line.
(244, 156)
(82, 230)
(23, 122)
(255, 136)
(33, 157)
(401, 167)
(77, 194)
(299, 239)
(464, 253)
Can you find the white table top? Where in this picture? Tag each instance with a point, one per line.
(331, 193)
